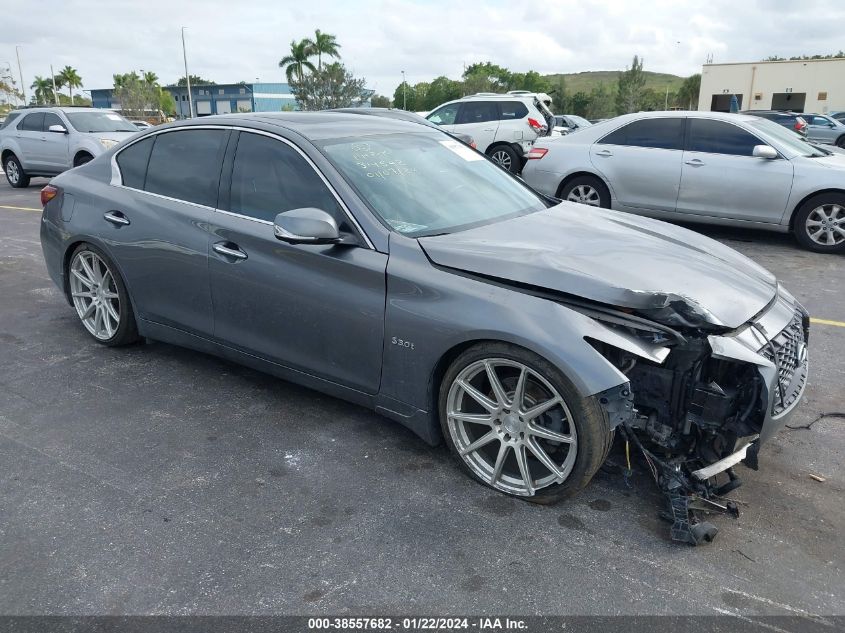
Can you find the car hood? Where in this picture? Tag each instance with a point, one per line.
(613, 258)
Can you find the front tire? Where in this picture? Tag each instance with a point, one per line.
(820, 223)
(100, 297)
(516, 424)
(587, 190)
(15, 174)
(505, 157)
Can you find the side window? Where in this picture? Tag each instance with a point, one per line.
(664, 133)
(186, 165)
(445, 115)
(477, 112)
(269, 177)
(52, 119)
(718, 137)
(32, 122)
(9, 119)
(133, 162)
(511, 111)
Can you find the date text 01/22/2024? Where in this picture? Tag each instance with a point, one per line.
(418, 624)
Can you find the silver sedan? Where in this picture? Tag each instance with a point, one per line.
(708, 167)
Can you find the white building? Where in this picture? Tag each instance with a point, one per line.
(812, 85)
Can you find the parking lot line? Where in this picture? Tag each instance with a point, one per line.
(6, 206)
(827, 322)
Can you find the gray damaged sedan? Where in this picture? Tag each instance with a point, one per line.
(390, 265)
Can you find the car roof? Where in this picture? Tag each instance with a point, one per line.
(60, 108)
(690, 114)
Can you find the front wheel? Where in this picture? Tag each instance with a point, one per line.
(505, 157)
(820, 223)
(518, 425)
(586, 190)
(14, 172)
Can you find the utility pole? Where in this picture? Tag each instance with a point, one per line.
(55, 90)
(404, 92)
(187, 78)
(20, 73)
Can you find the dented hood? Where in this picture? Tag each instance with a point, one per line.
(613, 258)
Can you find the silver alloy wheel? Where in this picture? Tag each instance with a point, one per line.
(511, 426)
(12, 172)
(94, 294)
(585, 194)
(826, 225)
(502, 157)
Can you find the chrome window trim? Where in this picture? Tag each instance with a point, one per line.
(117, 177)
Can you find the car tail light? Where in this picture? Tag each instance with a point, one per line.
(48, 193)
(473, 145)
(535, 125)
(800, 124)
(536, 153)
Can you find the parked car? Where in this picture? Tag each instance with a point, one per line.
(385, 263)
(709, 167)
(404, 115)
(825, 129)
(566, 123)
(839, 115)
(504, 126)
(141, 125)
(47, 141)
(795, 122)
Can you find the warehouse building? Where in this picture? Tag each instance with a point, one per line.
(811, 85)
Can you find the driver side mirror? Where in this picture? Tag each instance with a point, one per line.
(764, 151)
(306, 225)
(60, 129)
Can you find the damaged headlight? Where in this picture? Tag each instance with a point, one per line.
(682, 314)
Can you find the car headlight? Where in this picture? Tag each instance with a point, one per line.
(108, 142)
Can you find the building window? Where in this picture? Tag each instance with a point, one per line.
(243, 91)
(220, 91)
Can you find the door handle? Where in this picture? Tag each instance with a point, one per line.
(695, 162)
(229, 251)
(491, 129)
(116, 218)
(604, 152)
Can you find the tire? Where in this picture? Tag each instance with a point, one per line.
(840, 142)
(506, 157)
(82, 158)
(819, 223)
(93, 280)
(587, 190)
(504, 436)
(15, 174)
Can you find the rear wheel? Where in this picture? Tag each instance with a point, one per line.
(840, 142)
(518, 425)
(820, 223)
(587, 190)
(15, 174)
(505, 157)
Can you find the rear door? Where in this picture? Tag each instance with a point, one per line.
(314, 308)
(722, 179)
(479, 119)
(642, 163)
(29, 134)
(55, 144)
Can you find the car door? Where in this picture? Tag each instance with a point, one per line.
(642, 163)
(54, 145)
(479, 119)
(314, 308)
(445, 116)
(156, 225)
(722, 179)
(821, 129)
(29, 135)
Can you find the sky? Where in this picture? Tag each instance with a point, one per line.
(230, 41)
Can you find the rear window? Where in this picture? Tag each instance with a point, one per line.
(11, 117)
(664, 133)
(477, 112)
(133, 163)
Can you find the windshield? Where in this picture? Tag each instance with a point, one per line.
(422, 184)
(788, 138)
(580, 121)
(99, 122)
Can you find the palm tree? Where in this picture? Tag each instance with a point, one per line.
(151, 78)
(297, 60)
(323, 44)
(70, 78)
(43, 89)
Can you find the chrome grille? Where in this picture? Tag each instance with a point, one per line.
(787, 350)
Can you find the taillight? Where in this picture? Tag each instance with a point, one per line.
(535, 125)
(800, 126)
(473, 145)
(536, 153)
(48, 193)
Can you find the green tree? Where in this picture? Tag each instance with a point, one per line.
(630, 88)
(331, 87)
(322, 44)
(380, 101)
(559, 97)
(298, 60)
(69, 77)
(531, 81)
(601, 104)
(404, 97)
(687, 96)
(151, 78)
(579, 104)
(136, 96)
(42, 89)
(440, 90)
(486, 77)
(196, 80)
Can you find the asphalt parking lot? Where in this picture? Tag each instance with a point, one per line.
(157, 480)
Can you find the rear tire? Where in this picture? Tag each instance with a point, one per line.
(587, 190)
(15, 174)
(506, 157)
(840, 142)
(819, 224)
(496, 445)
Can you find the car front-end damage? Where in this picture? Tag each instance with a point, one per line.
(703, 398)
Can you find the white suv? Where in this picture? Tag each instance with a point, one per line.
(504, 126)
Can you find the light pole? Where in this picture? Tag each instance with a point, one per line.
(404, 92)
(187, 78)
(20, 73)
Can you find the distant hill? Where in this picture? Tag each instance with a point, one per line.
(586, 81)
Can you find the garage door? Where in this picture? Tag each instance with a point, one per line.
(224, 107)
(203, 107)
